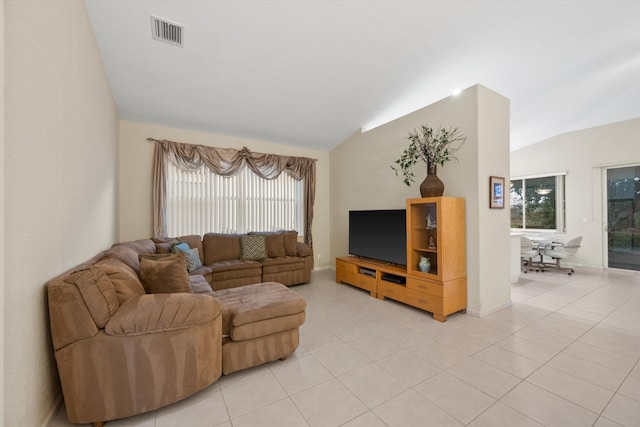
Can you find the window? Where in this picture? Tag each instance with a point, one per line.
(200, 202)
(537, 203)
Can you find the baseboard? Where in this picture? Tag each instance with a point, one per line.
(53, 412)
(483, 313)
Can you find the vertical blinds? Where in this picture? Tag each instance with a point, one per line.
(200, 201)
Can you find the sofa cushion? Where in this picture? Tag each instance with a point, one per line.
(266, 327)
(253, 247)
(220, 247)
(254, 303)
(202, 271)
(290, 239)
(275, 242)
(155, 313)
(125, 254)
(163, 245)
(199, 285)
(165, 275)
(233, 265)
(98, 294)
(142, 246)
(278, 265)
(304, 249)
(125, 281)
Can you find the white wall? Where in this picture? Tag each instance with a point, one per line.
(60, 154)
(136, 164)
(361, 178)
(584, 155)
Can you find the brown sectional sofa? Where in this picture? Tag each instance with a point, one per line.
(288, 261)
(121, 350)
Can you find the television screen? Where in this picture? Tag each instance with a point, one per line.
(379, 235)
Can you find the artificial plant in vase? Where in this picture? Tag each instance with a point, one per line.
(434, 147)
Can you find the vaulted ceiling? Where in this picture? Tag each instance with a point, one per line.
(310, 73)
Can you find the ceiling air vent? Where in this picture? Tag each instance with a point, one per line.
(166, 31)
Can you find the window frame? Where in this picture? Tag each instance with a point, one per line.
(560, 202)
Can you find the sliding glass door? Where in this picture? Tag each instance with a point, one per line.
(623, 217)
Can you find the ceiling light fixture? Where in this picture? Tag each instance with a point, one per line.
(543, 191)
(456, 91)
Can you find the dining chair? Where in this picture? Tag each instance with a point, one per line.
(527, 253)
(563, 251)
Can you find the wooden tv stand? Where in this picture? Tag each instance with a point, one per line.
(365, 273)
(443, 289)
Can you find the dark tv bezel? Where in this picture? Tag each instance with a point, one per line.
(379, 260)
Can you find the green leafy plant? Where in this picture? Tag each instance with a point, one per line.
(434, 147)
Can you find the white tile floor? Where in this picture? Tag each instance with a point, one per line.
(565, 354)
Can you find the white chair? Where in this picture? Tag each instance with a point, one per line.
(527, 252)
(568, 249)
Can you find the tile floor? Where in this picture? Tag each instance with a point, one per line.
(566, 353)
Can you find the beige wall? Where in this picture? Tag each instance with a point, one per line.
(60, 153)
(361, 178)
(584, 155)
(136, 161)
(2, 210)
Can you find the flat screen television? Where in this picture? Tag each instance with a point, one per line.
(379, 234)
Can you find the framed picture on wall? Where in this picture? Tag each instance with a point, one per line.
(496, 192)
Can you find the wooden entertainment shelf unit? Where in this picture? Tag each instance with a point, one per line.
(435, 230)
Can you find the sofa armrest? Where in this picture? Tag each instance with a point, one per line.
(303, 249)
(69, 316)
(161, 312)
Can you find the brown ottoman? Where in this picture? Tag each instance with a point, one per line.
(259, 324)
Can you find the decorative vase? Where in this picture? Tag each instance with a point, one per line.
(431, 186)
(424, 265)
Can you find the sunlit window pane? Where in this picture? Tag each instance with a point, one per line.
(200, 202)
(516, 203)
(540, 203)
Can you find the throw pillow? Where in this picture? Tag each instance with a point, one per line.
(192, 256)
(153, 256)
(253, 247)
(179, 247)
(165, 275)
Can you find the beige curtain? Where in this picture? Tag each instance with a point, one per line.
(227, 161)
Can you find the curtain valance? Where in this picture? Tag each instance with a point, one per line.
(227, 162)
